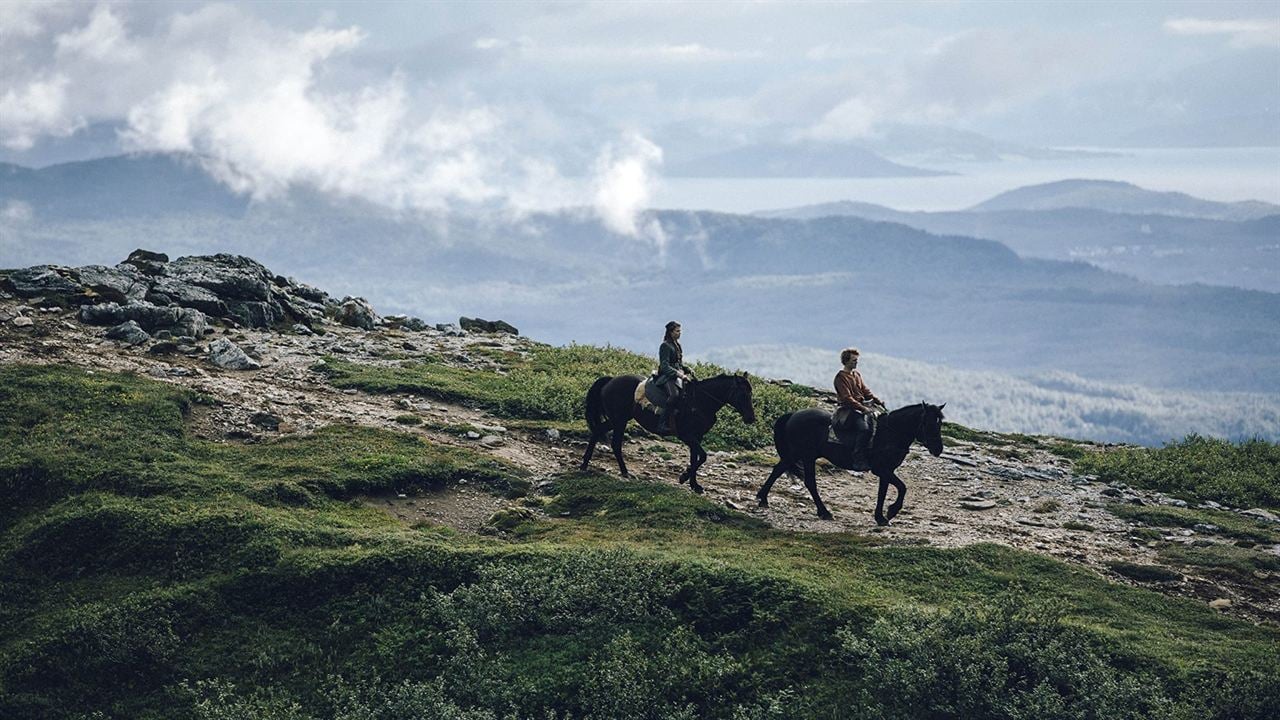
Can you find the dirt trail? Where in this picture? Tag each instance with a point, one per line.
(1024, 502)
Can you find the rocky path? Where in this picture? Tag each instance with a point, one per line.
(971, 494)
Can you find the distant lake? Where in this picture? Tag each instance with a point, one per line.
(1224, 174)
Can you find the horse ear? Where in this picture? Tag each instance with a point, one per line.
(942, 406)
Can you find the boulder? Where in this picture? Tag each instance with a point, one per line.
(108, 313)
(230, 277)
(129, 333)
(23, 321)
(225, 354)
(185, 294)
(43, 281)
(118, 284)
(1260, 514)
(487, 326)
(357, 312)
(147, 262)
(256, 313)
(450, 329)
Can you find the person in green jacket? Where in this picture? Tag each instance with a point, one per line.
(672, 373)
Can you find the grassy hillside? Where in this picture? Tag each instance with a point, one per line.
(149, 574)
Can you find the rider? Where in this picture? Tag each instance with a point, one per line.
(857, 404)
(672, 373)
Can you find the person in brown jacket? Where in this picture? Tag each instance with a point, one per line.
(857, 405)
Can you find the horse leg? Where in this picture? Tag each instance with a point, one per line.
(901, 487)
(762, 496)
(696, 458)
(591, 447)
(811, 482)
(616, 443)
(880, 518)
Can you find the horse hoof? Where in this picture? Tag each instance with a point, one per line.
(696, 488)
(626, 476)
(882, 521)
(825, 515)
(762, 502)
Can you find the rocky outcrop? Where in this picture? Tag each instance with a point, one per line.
(357, 312)
(487, 326)
(128, 333)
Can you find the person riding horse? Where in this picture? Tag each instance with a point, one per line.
(858, 406)
(672, 374)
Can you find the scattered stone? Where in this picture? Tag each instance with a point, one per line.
(977, 504)
(350, 391)
(451, 330)
(551, 434)
(491, 441)
(732, 505)
(1032, 521)
(408, 346)
(1175, 502)
(301, 329)
(129, 333)
(487, 326)
(23, 321)
(960, 461)
(1260, 514)
(164, 347)
(1220, 604)
(265, 420)
(473, 435)
(225, 354)
(147, 262)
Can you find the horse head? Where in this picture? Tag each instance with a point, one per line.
(741, 398)
(929, 433)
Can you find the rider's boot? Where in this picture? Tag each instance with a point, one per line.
(861, 461)
(666, 418)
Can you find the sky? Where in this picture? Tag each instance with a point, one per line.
(431, 105)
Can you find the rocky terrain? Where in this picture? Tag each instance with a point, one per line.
(248, 341)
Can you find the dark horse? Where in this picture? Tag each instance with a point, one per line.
(801, 438)
(611, 404)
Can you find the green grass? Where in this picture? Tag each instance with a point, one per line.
(147, 574)
(1229, 524)
(1244, 474)
(550, 384)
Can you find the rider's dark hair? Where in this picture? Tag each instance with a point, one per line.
(671, 326)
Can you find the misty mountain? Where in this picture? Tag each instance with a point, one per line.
(1156, 248)
(804, 159)
(1122, 197)
(940, 144)
(828, 282)
(1056, 403)
(1257, 130)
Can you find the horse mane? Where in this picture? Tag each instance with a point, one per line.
(905, 409)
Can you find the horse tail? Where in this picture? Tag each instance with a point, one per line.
(780, 442)
(595, 405)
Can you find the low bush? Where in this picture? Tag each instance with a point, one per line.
(1244, 474)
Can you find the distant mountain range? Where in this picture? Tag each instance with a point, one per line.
(803, 159)
(826, 282)
(1116, 226)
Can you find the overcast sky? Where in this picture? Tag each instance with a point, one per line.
(423, 104)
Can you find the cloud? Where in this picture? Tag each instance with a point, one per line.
(104, 39)
(38, 108)
(1242, 33)
(624, 187)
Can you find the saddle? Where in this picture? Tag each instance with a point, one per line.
(838, 433)
(648, 399)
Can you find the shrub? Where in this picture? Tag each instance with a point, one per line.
(1245, 474)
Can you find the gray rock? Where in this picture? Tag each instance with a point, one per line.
(164, 347)
(414, 324)
(357, 312)
(451, 330)
(551, 434)
(473, 435)
(23, 321)
(225, 354)
(147, 262)
(491, 441)
(1260, 514)
(487, 326)
(256, 313)
(230, 277)
(185, 294)
(105, 314)
(977, 504)
(265, 420)
(118, 284)
(129, 333)
(42, 281)
(308, 293)
(301, 329)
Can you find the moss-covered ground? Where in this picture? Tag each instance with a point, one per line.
(148, 574)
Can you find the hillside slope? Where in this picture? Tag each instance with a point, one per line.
(387, 522)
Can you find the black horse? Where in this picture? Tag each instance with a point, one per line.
(611, 403)
(801, 438)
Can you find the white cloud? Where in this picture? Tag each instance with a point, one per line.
(39, 108)
(1242, 33)
(103, 39)
(624, 187)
